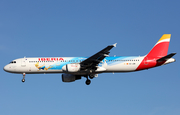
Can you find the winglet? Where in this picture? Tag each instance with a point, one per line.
(115, 44)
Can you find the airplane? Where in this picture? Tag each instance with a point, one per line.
(74, 68)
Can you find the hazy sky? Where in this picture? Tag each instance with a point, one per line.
(39, 28)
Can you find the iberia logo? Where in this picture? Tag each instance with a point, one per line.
(50, 59)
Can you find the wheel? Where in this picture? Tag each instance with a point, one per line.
(91, 76)
(23, 80)
(88, 82)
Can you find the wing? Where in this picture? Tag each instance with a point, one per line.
(93, 61)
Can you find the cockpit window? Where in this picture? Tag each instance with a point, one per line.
(13, 62)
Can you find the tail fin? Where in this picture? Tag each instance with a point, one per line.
(161, 47)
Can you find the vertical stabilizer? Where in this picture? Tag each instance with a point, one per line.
(161, 47)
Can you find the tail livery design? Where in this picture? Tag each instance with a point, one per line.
(161, 47)
(158, 55)
(73, 68)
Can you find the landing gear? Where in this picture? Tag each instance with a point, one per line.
(88, 82)
(23, 80)
(91, 76)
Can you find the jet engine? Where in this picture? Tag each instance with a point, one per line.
(71, 67)
(70, 77)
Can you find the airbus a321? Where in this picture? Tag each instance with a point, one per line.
(73, 68)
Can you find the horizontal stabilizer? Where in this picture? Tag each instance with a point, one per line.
(166, 57)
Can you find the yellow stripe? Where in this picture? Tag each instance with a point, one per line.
(165, 36)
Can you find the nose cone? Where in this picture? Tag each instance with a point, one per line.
(6, 68)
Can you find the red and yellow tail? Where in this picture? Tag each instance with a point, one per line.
(158, 55)
(161, 47)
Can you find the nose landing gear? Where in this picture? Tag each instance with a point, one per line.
(23, 80)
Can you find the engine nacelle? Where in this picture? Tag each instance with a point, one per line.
(71, 67)
(70, 77)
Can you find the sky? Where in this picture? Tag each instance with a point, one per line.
(63, 28)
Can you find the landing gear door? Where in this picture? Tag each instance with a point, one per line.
(23, 62)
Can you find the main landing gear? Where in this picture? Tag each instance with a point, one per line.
(91, 76)
(23, 80)
(88, 82)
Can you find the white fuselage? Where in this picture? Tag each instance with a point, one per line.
(55, 65)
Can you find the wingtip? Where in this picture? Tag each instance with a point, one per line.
(115, 44)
